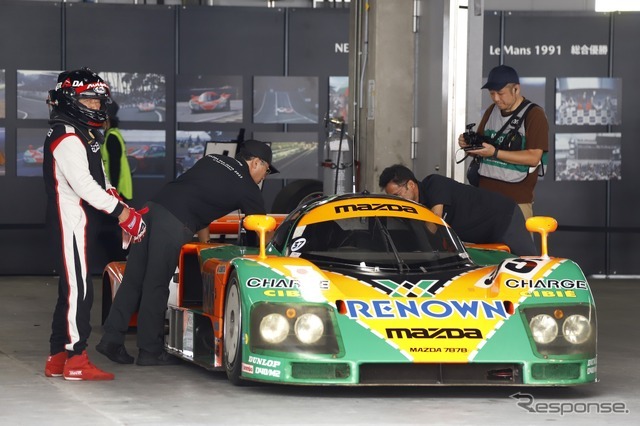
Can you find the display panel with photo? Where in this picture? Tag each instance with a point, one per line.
(30, 151)
(3, 105)
(339, 98)
(588, 101)
(146, 152)
(532, 88)
(33, 91)
(3, 157)
(140, 96)
(295, 154)
(588, 156)
(209, 99)
(191, 145)
(285, 100)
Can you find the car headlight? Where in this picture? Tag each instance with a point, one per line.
(576, 329)
(274, 328)
(309, 328)
(544, 328)
(576, 324)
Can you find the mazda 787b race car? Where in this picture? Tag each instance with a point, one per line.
(376, 290)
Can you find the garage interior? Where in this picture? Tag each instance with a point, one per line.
(414, 118)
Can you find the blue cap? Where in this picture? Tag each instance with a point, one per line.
(500, 76)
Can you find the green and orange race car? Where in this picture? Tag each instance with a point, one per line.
(376, 290)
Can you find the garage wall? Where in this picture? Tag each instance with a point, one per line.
(167, 40)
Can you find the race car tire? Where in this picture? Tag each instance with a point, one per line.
(294, 193)
(232, 331)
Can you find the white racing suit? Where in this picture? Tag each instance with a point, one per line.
(75, 183)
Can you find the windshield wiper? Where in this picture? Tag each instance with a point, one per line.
(402, 266)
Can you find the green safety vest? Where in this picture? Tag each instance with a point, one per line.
(125, 184)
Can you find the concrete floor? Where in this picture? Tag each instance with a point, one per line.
(189, 395)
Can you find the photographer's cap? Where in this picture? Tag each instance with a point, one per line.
(261, 150)
(500, 76)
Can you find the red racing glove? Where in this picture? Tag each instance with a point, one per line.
(133, 227)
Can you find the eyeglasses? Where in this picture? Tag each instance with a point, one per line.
(402, 189)
(266, 165)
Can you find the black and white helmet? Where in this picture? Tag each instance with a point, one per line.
(81, 84)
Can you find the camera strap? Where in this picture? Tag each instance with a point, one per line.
(513, 121)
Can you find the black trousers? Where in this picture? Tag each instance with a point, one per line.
(517, 237)
(150, 267)
(70, 236)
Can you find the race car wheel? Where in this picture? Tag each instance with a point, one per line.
(232, 332)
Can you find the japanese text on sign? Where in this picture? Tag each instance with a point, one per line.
(549, 50)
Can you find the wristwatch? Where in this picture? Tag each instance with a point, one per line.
(495, 153)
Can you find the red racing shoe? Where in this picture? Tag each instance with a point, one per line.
(79, 367)
(55, 364)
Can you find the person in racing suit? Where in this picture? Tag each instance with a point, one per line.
(477, 215)
(215, 186)
(76, 188)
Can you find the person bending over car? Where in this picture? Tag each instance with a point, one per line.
(77, 190)
(477, 215)
(215, 186)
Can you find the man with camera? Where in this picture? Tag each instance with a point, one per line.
(512, 138)
(475, 214)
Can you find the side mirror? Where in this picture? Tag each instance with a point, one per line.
(543, 225)
(261, 224)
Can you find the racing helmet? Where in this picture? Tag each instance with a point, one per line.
(72, 86)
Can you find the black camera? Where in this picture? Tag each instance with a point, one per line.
(473, 139)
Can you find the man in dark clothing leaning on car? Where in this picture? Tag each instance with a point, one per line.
(215, 186)
(475, 214)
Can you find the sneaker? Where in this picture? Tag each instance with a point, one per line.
(146, 358)
(55, 364)
(115, 352)
(79, 367)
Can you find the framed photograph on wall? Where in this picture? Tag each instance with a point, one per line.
(3, 105)
(295, 154)
(3, 157)
(33, 91)
(191, 145)
(30, 151)
(339, 98)
(146, 152)
(140, 96)
(209, 99)
(588, 101)
(588, 156)
(286, 100)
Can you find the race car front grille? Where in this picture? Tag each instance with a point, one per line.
(329, 371)
(440, 374)
(566, 371)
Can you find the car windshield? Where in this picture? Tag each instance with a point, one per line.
(376, 242)
(208, 96)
